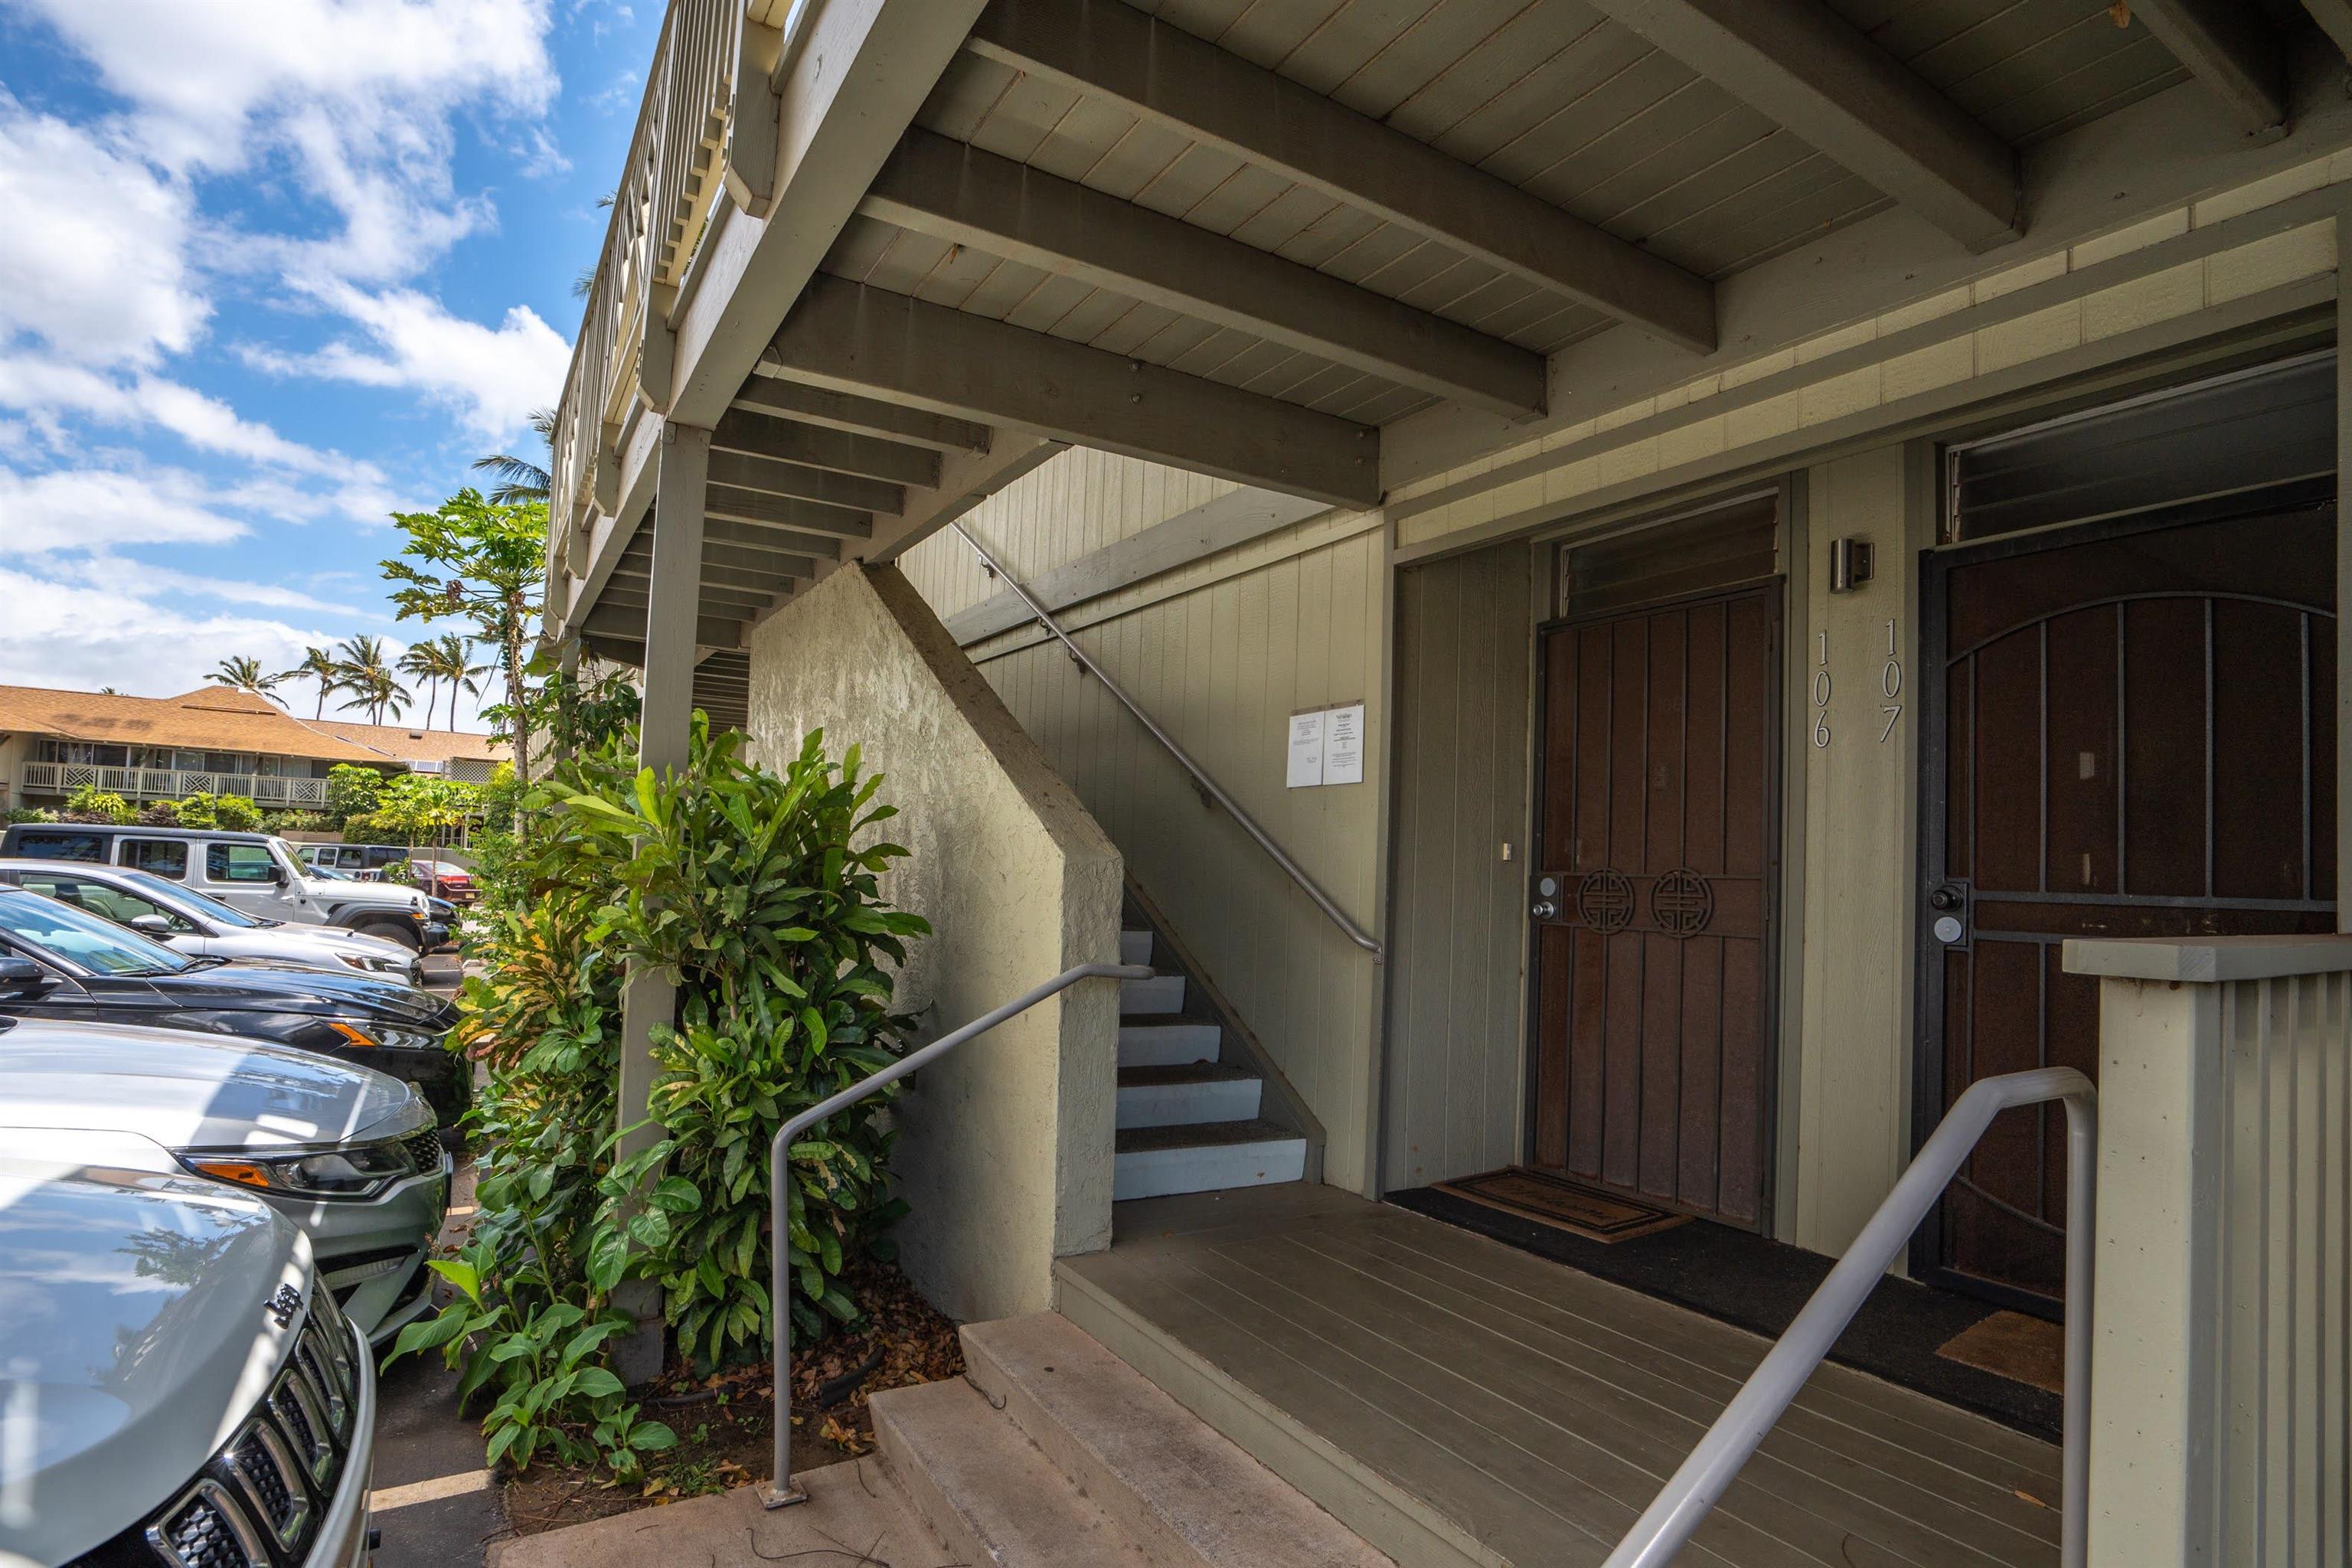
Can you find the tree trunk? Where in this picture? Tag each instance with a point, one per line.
(517, 716)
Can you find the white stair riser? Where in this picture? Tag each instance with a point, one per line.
(1160, 1172)
(1167, 1045)
(1160, 994)
(1135, 947)
(1188, 1104)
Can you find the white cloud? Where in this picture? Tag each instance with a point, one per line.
(149, 579)
(93, 253)
(60, 634)
(491, 377)
(87, 508)
(358, 96)
(45, 389)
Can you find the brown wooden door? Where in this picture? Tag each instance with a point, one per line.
(1654, 959)
(2133, 734)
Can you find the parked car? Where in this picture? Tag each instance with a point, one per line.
(365, 861)
(441, 878)
(179, 1391)
(256, 872)
(194, 922)
(60, 963)
(347, 1154)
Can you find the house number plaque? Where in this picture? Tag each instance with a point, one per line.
(1890, 687)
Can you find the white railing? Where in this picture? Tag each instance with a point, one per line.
(669, 188)
(170, 784)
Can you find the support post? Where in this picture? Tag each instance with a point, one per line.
(2343, 570)
(664, 728)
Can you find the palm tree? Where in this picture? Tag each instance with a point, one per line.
(449, 659)
(419, 661)
(243, 673)
(520, 478)
(362, 670)
(317, 665)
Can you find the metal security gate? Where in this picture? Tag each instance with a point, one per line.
(2133, 734)
(1653, 902)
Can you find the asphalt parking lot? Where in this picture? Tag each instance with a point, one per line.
(435, 1502)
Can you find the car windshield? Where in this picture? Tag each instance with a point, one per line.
(331, 873)
(99, 946)
(171, 895)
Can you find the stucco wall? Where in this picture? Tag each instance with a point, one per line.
(1004, 1148)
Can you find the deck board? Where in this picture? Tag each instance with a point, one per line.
(1524, 1412)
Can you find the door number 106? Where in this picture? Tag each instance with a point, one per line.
(1890, 686)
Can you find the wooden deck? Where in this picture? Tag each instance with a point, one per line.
(1456, 1401)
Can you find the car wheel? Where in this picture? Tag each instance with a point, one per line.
(398, 932)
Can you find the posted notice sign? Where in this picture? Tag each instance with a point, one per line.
(1326, 747)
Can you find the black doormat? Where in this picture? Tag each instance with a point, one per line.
(1569, 1206)
(1758, 1285)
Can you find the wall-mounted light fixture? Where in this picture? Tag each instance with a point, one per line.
(1849, 564)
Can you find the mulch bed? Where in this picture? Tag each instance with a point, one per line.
(724, 1420)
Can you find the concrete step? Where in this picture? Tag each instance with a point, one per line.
(1187, 1093)
(1206, 1157)
(987, 1491)
(1160, 995)
(1135, 947)
(1163, 1475)
(1168, 1045)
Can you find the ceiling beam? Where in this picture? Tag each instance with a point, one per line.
(2229, 46)
(620, 623)
(2336, 17)
(854, 337)
(762, 562)
(721, 603)
(768, 539)
(949, 191)
(802, 482)
(1800, 63)
(762, 435)
(1110, 51)
(752, 506)
(731, 578)
(861, 416)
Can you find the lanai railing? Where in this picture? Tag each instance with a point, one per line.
(170, 784)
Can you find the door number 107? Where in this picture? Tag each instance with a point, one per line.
(1890, 686)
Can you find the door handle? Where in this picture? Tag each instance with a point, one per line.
(1545, 908)
(1950, 904)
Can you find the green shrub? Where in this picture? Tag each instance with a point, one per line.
(200, 810)
(351, 790)
(295, 822)
(236, 812)
(749, 886)
(160, 813)
(91, 803)
(26, 814)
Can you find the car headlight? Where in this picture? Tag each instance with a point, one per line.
(372, 1034)
(374, 963)
(358, 1171)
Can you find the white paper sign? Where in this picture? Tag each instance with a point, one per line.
(1343, 745)
(1305, 751)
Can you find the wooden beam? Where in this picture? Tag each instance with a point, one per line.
(779, 511)
(969, 480)
(628, 625)
(2229, 46)
(946, 190)
(711, 604)
(802, 482)
(2334, 17)
(1110, 51)
(737, 558)
(764, 435)
(765, 393)
(853, 337)
(1802, 64)
(767, 538)
(719, 587)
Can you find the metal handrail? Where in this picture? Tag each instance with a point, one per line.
(1670, 1520)
(782, 1492)
(1298, 873)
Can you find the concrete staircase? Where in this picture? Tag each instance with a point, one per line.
(1190, 1120)
(1056, 1452)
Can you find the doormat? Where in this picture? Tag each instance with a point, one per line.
(2013, 1345)
(1564, 1205)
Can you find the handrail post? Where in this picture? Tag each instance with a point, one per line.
(1296, 872)
(1667, 1524)
(781, 1491)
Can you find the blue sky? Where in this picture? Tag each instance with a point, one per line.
(269, 270)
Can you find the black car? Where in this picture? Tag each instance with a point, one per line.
(58, 962)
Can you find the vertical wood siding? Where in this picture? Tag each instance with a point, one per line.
(1290, 621)
(1458, 937)
(2283, 1393)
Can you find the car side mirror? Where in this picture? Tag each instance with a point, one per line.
(22, 976)
(153, 925)
(277, 875)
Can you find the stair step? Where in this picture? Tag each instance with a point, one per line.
(1135, 947)
(1171, 1481)
(990, 1493)
(1161, 993)
(1168, 1045)
(1187, 1093)
(1205, 1157)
